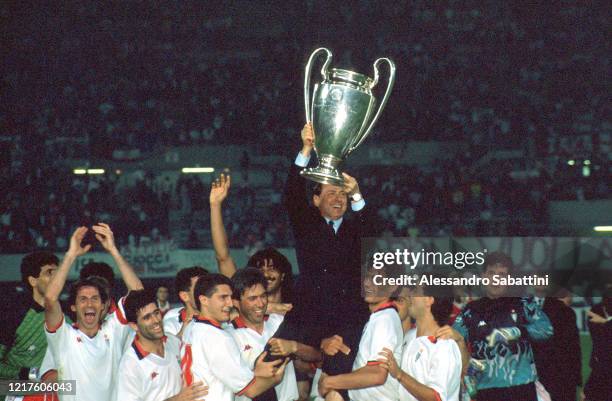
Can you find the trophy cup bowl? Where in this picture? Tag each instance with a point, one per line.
(342, 114)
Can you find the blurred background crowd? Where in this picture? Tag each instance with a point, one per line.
(124, 82)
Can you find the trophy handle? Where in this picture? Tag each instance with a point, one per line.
(362, 136)
(324, 74)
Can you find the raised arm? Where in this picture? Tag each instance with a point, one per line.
(105, 235)
(295, 197)
(218, 193)
(53, 309)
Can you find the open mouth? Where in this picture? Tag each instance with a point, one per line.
(90, 317)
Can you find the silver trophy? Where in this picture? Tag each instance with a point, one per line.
(342, 114)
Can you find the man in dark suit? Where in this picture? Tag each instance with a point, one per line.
(558, 359)
(599, 385)
(327, 244)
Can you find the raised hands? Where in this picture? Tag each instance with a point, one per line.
(105, 236)
(220, 188)
(307, 139)
(351, 187)
(76, 249)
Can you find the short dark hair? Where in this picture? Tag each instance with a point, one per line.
(99, 269)
(184, 276)
(442, 307)
(281, 263)
(317, 188)
(498, 257)
(93, 281)
(135, 301)
(245, 279)
(207, 286)
(33, 262)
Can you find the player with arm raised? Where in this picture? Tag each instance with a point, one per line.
(88, 351)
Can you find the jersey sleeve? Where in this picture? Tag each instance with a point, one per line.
(379, 335)
(538, 325)
(460, 324)
(444, 371)
(120, 326)
(229, 367)
(57, 340)
(129, 383)
(56, 335)
(171, 324)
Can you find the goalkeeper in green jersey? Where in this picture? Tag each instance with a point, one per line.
(22, 338)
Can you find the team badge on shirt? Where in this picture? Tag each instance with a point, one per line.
(418, 355)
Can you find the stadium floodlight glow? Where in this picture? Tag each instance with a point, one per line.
(79, 171)
(95, 171)
(603, 229)
(571, 162)
(197, 170)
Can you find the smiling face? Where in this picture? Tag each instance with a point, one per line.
(273, 276)
(150, 322)
(253, 303)
(89, 308)
(219, 305)
(331, 202)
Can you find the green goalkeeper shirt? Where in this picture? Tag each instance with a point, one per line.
(22, 340)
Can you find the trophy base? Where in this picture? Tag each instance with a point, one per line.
(323, 175)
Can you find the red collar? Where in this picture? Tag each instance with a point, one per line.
(140, 351)
(386, 305)
(205, 320)
(239, 322)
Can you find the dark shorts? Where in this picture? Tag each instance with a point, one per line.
(525, 392)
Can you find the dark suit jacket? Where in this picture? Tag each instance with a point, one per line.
(558, 360)
(328, 288)
(599, 385)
